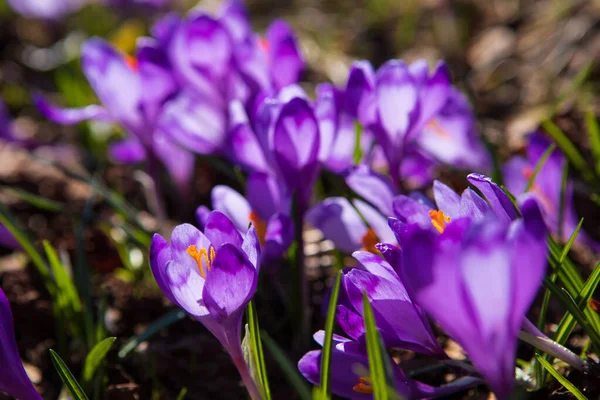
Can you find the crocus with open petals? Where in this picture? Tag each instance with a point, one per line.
(478, 278)
(350, 376)
(546, 187)
(13, 378)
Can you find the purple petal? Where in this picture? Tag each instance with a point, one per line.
(156, 77)
(233, 205)
(351, 323)
(411, 211)
(230, 284)
(446, 199)
(373, 187)
(279, 236)
(375, 265)
(178, 161)
(287, 64)
(13, 378)
(339, 222)
(160, 255)
(200, 52)
(194, 123)
(202, 213)
(251, 246)
(434, 93)
(220, 230)
(108, 73)
(499, 201)
(264, 195)
(397, 100)
(245, 147)
(235, 18)
(359, 94)
(128, 151)
(376, 221)
(70, 116)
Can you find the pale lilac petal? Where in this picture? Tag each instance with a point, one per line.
(446, 199)
(233, 205)
(287, 63)
(499, 201)
(376, 220)
(373, 187)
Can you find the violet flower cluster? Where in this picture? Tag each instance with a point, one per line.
(472, 262)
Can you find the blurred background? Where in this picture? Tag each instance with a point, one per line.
(519, 61)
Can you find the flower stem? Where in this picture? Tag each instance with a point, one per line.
(532, 335)
(242, 368)
(301, 267)
(154, 191)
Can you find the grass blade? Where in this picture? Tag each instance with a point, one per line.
(164, 321)
(95, 358)
(377, 356)
(570, 151)
(289, 369)
(67, 377)
(567, 248)
(328, 343)
(37, 201)
(539, 165)
(561, 379)
(594, 135)
(358, 151)
(257, 351)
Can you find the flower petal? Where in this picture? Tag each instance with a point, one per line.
(220, 230)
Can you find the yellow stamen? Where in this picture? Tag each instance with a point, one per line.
(369, 240)
(364, 386)
(201, 257)
(260, 225)
(439, 219)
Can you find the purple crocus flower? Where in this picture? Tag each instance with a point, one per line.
(338, 111)
(13, 378)
(262, 208)
(350, 373)
(284, 142)
(450, 206)
(402, 323)
(477, 278)
(546, 186)
(212, 275)
(412, 111)
(138, 109)
(46, 9)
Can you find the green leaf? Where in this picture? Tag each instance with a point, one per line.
(567, 248)
(95, 358)
(328, 343)
(37, 201)
(289, 369)
(162, 322)
(539, 165)
(182, 393)
(9, 222)
(257, 352)
(561, 379)
(65, 287)
(358, 151)
(67, 377)
(380, 373)
(594, 134)
(570, 151)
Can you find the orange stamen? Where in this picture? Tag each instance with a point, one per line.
(439, 219)
(264, 45)
(202, 257)
(260, 225)
(364, 386)
(369, 240)
(131, 62)
(435, 126)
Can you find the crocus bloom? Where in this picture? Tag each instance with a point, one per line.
(138, 109)
(450, 206)
(546, 186)
(284, 142)
(338, 111)
(13, 378)
(401, 322)
(477, 278)
(46, 9)
(350, 373)
(262, 209)
(212, 275)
